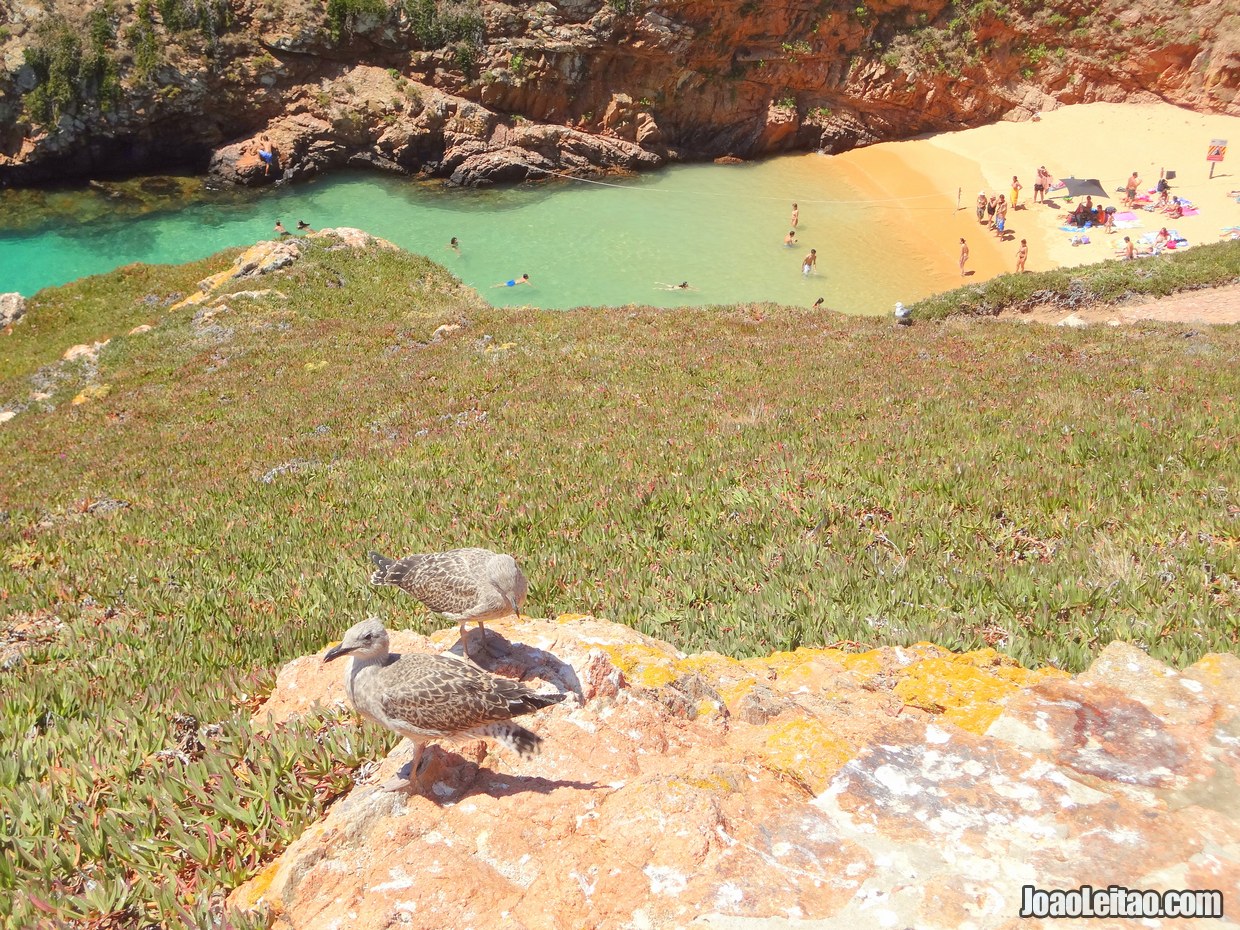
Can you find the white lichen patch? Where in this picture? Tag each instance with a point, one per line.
(664, 880)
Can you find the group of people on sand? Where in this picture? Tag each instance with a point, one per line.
(1086, 215)
(993, 210)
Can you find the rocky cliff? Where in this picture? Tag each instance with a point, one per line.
(892, 788)
(479, 90)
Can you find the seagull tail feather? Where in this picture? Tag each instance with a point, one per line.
(514, 737)
(382, 564)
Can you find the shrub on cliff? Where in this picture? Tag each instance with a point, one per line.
(70, 68)
(1212, 265)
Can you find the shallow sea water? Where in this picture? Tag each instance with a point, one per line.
(719, 227)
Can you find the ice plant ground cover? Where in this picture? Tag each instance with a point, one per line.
(741, 479)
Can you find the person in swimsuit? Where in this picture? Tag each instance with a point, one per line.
(303, 226)
(981, 206)
(454, 245)
(791, 239)
(819, 302)
(280, 230)
(964, 255)
(1039, 185)
(524, 279)
(796, 216)
(1017, 187)
(266, 153)
(809, 261)
(1021, 254)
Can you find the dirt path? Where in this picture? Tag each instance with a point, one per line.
(1218, 305)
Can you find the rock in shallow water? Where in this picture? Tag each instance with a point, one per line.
(662, 799)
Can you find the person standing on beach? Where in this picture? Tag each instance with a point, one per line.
(1017, 187)
(796, 216)
(1001, 209)
(964, 255)
(991, 205)
(981, 206)
(1040, 184)
(1021, 254)
(1130, 189)
(809, 261)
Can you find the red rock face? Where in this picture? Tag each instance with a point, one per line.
(644, 82)
(677, 791)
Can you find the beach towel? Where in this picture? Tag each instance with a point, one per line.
(1191, 211)
(1128, 224)
(1126, 216)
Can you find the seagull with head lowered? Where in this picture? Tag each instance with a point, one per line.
(424, 697)
(465, 585)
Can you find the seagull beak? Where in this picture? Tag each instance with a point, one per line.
(336, 651)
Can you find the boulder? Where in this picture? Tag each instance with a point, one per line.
(12, 308)
(898, 787)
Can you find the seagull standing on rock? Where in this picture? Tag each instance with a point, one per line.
(462, 584)
(424, 697)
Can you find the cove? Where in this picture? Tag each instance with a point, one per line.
(614, 243)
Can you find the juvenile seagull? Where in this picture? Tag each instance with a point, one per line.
(425, 697)
(462, 584)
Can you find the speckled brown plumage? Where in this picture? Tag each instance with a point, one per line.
(465, 585)
(423, 697)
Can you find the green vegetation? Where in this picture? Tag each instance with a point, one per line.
(70, 69)
(440, 23)
(209, 17)
(1210, 265)
(343, 15)
(740, 479)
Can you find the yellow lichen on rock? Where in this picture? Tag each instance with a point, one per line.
(970, 689)
(643, 666)
(807, 751)
(94, 392)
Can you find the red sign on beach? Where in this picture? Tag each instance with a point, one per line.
(1218, 148)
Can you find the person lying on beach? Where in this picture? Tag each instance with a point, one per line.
(524, 279)
(1161, 240)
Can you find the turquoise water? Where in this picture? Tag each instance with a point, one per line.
(720, 228)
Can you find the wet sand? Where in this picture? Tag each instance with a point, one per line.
(1098, 140)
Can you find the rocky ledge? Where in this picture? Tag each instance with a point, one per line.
(898, 787)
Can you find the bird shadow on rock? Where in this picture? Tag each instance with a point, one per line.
(501, 656)
(446, 777)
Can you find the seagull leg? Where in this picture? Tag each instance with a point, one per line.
(397, 783)
(465, 647)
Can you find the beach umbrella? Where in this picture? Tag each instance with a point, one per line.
(1080, 187)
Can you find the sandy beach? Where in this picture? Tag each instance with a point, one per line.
(1105, 141)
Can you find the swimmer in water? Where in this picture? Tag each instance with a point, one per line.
(303, 226)
(819, 302)
(454, 245)
(280, 230)
(791, 239)
(524, 279)
(682, 286)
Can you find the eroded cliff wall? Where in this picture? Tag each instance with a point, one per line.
(479, 90)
